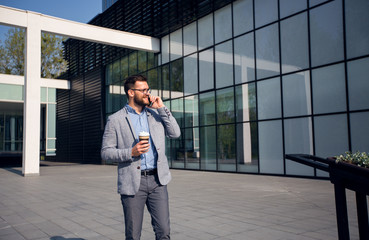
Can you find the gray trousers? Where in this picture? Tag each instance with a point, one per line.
(155, 197)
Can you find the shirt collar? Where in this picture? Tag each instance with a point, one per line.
(131, 110)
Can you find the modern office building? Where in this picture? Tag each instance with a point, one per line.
(248, 81)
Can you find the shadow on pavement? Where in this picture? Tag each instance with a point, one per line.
(62, 238)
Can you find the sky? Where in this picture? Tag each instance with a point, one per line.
(76, 10)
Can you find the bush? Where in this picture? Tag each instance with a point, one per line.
(360, 159)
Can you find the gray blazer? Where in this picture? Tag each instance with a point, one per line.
(119, 138)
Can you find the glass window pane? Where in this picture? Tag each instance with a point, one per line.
(116, 72)
(177, 111)
(165, 76)
(191, 111)
(11, 92)
(116, 102)
(124, 68)
(242, 16)
(246, 102)
(176, 68)
(176, 44)
(153, 81)
(207, 108)
(225, 105)
(244, 58)
(289, 7)
(357, 27)
(142, 61)
(190, 38)
(359, 131)
(178, 154)
(152, 60)
(331, 138)
(271, 147)
(326, 33)
(298, 138)
(165, 49)
(297, 94)
(329, 89)
(190, 74)
(133, 63)
(223, 23)
(269, 98)
(51, 120)
(51, 95)
(224, 65)
(206, 65)
(294, 43)
(226, 141)
(109, 74)
(205, 31)
(109, 100)
(267, 51)
(208, 148)
(192, 145)
(43, 95)
(266, 11)
(358, 84)
(51, 143)
(247, 147)
(316, 2)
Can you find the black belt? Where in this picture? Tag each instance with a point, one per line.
(148, 172)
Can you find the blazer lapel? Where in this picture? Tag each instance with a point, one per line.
(126, 117)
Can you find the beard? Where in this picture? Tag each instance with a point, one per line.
(140, 101)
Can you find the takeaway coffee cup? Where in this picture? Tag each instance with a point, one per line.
(144, 136)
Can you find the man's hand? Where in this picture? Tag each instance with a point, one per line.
(140, 148)
(156, 102)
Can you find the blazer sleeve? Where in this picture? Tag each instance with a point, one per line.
(171, 126)
(109, 150)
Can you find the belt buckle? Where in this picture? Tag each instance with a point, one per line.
(145, 173)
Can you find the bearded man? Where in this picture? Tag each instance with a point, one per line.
(143, 170)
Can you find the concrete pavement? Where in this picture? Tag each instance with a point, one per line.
(79, 202)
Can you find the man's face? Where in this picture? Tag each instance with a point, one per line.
(140, 98)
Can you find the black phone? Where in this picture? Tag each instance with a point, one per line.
(150, 103)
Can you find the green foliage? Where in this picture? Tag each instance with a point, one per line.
(12, 54)
(360, 159)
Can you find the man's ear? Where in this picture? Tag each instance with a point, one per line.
(130, 92)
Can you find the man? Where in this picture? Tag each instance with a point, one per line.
(143, 170)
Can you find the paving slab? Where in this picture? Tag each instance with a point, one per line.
(80, 202)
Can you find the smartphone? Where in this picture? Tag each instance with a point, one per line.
(150, 103)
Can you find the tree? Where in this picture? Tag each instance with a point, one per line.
(12, 54)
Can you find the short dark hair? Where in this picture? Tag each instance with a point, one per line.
(131, 80)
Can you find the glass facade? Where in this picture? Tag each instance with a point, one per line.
(256, 80)
(11, 119)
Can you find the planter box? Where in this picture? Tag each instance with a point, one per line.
(343, 175)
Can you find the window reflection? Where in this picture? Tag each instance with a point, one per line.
(244, 58)
(247, 147)
(246, 102)
(207, 108)
(206, 65)
(192, 148)
(226, 141)
(191, 115)
(165, 81)
(225, 105)
(224, 64)
(267, 51)
(176, 76)
(208, 148)
(190, 74)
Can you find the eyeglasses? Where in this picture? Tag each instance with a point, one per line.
(145, 91)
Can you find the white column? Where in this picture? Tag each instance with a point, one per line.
(32, 84)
